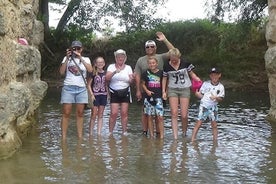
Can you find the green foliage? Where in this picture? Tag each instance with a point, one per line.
(236, 50)
(205, 44)
(132, 15)
(245, 10)
(73, 32)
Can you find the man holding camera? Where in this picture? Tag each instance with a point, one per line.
(74, 67)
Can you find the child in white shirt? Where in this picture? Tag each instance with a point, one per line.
(210, 93)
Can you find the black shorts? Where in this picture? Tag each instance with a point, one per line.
(100, 100)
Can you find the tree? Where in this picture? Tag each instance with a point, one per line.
(246, 10)
(134, 15)
(73, 6)
(44, 13)
(88, 14)
(82, 18)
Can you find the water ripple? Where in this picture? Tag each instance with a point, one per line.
(244, 153)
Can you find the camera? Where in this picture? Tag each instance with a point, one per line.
(72, 49)
(72, 52)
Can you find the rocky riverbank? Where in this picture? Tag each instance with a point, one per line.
(21, 89)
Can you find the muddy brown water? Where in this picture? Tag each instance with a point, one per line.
(244, 153)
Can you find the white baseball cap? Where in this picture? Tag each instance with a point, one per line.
(119, 51)
(150, 42)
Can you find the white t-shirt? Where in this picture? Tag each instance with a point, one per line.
(73, 75)
(208, 89)
(120, 80)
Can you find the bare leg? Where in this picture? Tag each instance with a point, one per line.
(174, 115)
(157, 130)
(144, 122)
(195, 130)
(79, 114)
(100, 119)
(175, 128)
(124, 116)
(215, 130)
(94, 111)
(160, 120)
(184, 105)
(150, 125)
(66, 112)
(113, 116)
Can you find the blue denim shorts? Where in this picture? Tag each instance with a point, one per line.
(74, 94)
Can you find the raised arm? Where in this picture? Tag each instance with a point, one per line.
(63, 66)
(87, 64)
(162, 38)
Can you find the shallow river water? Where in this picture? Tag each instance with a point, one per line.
(245, 151)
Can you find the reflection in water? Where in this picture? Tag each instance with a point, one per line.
(245, 151)
(205, 167)
(116, 159)
(174, 161)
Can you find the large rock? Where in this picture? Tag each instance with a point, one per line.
(270, 59)
(21, 89)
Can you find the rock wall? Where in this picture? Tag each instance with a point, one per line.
(21, 89)
(270, 59)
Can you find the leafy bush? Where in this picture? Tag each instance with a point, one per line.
(234, 47)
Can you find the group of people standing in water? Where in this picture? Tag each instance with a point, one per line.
(158, 77)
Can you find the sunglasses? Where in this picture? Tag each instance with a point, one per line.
(150, 47)
(76, 48)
